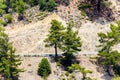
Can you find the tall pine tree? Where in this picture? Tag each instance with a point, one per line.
(55, 35)
(71, 43)
(107, 56)
(9, 62)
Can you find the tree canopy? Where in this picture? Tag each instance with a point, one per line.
(55, 35)
(107, 56)
(44, 68)
(9, 62)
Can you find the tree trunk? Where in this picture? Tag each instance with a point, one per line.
(99, 5)
(84, 76)
(56, 50)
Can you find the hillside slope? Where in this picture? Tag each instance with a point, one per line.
(28, 38)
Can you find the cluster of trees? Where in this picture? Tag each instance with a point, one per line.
(65, 39)
(8, 7)
(68, 41)
(19, 6)
(9, 62)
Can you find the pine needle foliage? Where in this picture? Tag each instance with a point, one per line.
(44, 68)
(55, 35)
(9, 62)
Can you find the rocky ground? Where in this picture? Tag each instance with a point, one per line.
(30, 64)
(29, 38)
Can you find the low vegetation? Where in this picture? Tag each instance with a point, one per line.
(44, 68)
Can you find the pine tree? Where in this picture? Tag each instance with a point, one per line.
(19, 7)
(107, 56)
(84, 73)
(55, 35)
(71, 43)
(44, 68)
(9, 62)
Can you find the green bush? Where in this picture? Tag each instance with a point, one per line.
(2, 22)
(48, 5)
(9, 18)
(2, 12)
(70, 69)
(58, 64)
(44, 68)
(67, 74)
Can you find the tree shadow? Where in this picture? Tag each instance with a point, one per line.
(91, 10)
(64, 62)
(67, 61)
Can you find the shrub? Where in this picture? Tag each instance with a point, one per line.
(58, 64)
(48, 5)
(8, 17)
(74, 67)
(44, 68)
(2, 22)
(67, 74)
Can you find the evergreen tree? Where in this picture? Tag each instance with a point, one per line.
(71, 43)
(107, 56)
(9, 62)
(84, 73)
(55, 35)
(44, 68)
(2, 7)
(19, 7)
(47, 5)
(9, 4)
